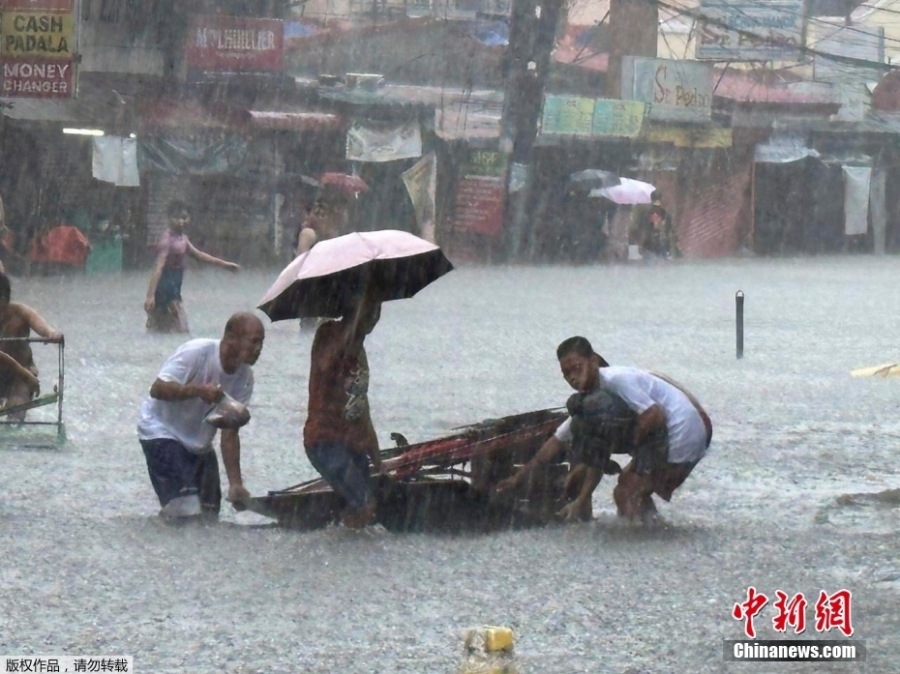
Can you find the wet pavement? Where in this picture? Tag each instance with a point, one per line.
(89, 569)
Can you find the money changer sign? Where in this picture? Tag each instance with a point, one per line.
(37, 48)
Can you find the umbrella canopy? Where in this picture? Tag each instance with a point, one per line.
(627, 192)
(329, 278)
(591, 179)
(344, 182)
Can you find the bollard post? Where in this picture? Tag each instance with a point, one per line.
(739, 322)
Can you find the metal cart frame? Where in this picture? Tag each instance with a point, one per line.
(56, 397)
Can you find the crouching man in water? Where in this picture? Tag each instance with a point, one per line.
(176, 439)
(671, 432)
(18, 373)
(338, 435)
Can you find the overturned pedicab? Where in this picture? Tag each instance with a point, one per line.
(449, 484)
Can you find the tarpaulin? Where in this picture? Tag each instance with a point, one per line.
(200, 154)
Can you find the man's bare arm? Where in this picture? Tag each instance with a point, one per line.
(37, 323)
(231, 457)
(548, 451)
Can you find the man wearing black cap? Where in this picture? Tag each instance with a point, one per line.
(669, 433)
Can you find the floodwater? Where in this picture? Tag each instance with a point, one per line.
(88, 569)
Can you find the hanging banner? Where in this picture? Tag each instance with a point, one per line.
(37, 48)
(421, 184)
(856, 199)
(115, 161)
(375, 142)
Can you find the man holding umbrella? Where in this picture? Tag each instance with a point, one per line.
(348, 277)
(339, 437)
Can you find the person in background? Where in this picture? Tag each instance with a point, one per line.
(324, 220)
(163, 304)
(176, 439)
(18, 372)
(338, 436)
(652, 230)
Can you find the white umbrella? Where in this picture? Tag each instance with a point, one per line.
(627, 192)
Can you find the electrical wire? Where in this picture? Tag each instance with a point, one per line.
(698, 15)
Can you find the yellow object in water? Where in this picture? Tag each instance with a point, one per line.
(488, 651)
(497, 639)
(884, 370)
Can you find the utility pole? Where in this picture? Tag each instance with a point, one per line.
(532, 34)
(633, 30)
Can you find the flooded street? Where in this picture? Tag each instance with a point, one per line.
(88, 569)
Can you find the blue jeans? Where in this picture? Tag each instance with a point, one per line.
(346, 470)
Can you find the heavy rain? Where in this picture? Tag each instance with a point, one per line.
(704, 189)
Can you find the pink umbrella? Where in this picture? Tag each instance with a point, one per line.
(344, 181)
(627, 192)
(327, 279)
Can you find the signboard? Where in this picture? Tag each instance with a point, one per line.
(231, 44)
(747, 30)
(37, 34)
(480, 194)
(673, 90)
(704, 137)
(595, 117)
(863, 47)
(37, 48)
(66, 6)
(479, 205)
(36, 78)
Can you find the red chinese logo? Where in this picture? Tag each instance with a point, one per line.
(748, 610)
(834, 611)
(790, 612)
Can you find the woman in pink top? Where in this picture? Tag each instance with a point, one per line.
(164, 307)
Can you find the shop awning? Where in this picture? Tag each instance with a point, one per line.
(278, 120)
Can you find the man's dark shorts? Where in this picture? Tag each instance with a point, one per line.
(346, 470)
(176, 472)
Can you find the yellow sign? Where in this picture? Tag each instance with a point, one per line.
(701, 137)
(41, 34)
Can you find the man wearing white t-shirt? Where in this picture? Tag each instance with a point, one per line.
(176, 439)
(671, 432)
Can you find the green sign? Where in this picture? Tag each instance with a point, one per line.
(577, 116)
(486, 163)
